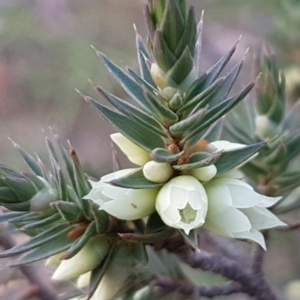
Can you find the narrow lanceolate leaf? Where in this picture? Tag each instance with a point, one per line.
(188, 38)
(134, 112)
(216, 113)
(22, 187)
(163, 155)
(143, 56)
(182, 67)
(231, 159)
(7, 195)
(128, 84)
(4, 217)
(81, 241)
(168, 59)
(188, 123)
(172, 25)
(198, 46)
(29, 160)
(101, 217)
(44, 222)
(129, 127)
(134, 180)
(143, 83)
(228, 82)
(210, 76)
(69, 211)
(214, 132)
(198, 96)
(164, 112)
(61, 243)
(38, 240)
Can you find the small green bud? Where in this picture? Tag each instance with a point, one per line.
(265, 128)
(176, 102)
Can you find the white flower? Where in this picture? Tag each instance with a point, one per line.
(236, 210)
(182, 203)
(87, 259)
(135, 154)
(157, 172)
(122, 203)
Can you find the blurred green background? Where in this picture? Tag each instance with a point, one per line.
(45, 54)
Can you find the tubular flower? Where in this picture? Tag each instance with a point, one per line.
(122, 203)
(236, 210)
(182, 203)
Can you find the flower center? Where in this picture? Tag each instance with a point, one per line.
(188, 214)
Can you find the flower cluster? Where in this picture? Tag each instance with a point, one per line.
(189, 199)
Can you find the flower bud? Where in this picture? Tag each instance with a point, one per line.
(84, 280)
(159, 76)
(204, 173)
(134, 153)
(157, 172)
(84, 261)
(182, 203)
(168, 93)
(265, 128)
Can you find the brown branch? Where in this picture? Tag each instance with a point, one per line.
(44, 289)
(252, 285)
(204, 291)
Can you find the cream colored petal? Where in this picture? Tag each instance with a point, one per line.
(253, 235)
(217, 193)
(135, 154)
(227, 222)
(268, 201)
(243, 197)
(261, 218)
(205, 173)
(135, 205)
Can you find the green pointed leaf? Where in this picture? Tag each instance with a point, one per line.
(232, 159)
(139, 253)
(29, 160)
(101, 217)
(198, 47)
(227, 84)
(28, 217)
(22, 187)
(292, 145)
(188, 38)
(182, 67)
(44, 222)
(191, 103)
(38, 240)
(211, 75)
(129, 127)
(69, 211)
(164, 112)
(172, 25)
(128, 84)
(216, 113)
(61, 243)
(214, 132)
(189, 123)
(5, 217)
(22, 206)
(135, 180)
(134, 112)
(81, 241)
(163, 155)
(163, 55)
(143, 57)
(7, 195)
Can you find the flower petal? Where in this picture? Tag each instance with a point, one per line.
(253, 235)
(135, 204)
(262, 218)
(227, 222)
